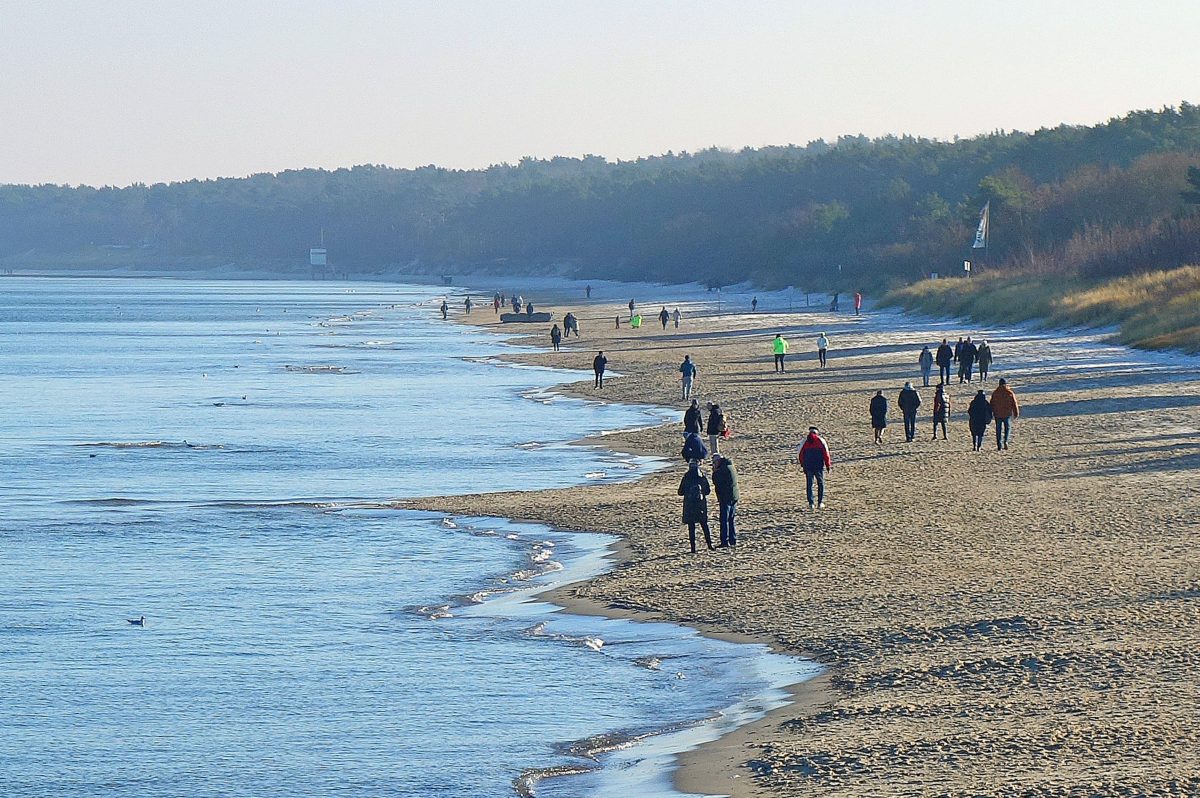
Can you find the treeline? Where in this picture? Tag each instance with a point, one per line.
(856, 212)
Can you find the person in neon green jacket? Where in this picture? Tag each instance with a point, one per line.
(780, 346)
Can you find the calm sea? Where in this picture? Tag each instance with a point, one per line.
(215, 456)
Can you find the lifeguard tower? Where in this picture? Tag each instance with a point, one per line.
(318, 261)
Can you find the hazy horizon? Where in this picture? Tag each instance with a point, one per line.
(136, 93)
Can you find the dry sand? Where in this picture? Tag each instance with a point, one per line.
(994, 624)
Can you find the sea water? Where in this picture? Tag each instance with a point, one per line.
(219, 457)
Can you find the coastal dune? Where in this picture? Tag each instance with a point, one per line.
(994, 624)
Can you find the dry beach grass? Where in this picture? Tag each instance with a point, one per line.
(994, 624)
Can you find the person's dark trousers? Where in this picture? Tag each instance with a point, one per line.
(969, 371)
(819, 476)
(821, 357)
(910, 426)
(728, 530)
(1002, 426)
(942, 423)
(692, 534)
(944, 373)
(976, 440)
(779, 363)
(599, 379)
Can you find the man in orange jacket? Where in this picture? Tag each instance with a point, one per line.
(1004, 409)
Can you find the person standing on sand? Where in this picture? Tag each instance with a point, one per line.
(925, 361)
(780, 347)
(957, 350)
(909, 401)
(1004, 410)
(945, 356)
(570, 323)
(979, 413)
(754, 304)
(879, 410)
(822, 349)
(588, 292)
(715, 427)
(445, 310)
(813, 456)
(984, 358)
(688, 369)
(693, 419)
(941, 410)
(693, 447)
(468, 304)
(599, 363)
(966, 360)
(496, 303)
(516, 304)
(664, 317)
(694, 489)
(857, 302)
(631, 307)
(676, 316)
(555, 337)
(724, 480)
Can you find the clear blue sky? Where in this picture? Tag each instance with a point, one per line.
(112, 92)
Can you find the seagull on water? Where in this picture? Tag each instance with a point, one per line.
(137, 621)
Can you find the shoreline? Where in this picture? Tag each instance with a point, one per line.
(969, 650)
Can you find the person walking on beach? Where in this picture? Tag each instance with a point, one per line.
(724, 478)
(979, 413)
(599, 363)
(445, 310)
(688, 369)
(676, 316)
(908, 402)
(1004, 410)
(925, 361)
(984, 358)
(588, 291)
(957, 350)
(664, 316)
(780, 347)
(570, 324)
(468, 304)
(631, 307)
(857, 302)
(754, 305)
(715, 427)
(496, 303)
(693, 447)
(555, 337)
(879, 410)
(941, 410)
(945, 356)
(693, 419)
(813, 456)
(966, 360)
(822, 349)
(694, 489)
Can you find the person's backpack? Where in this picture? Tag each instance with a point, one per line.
(693, 492)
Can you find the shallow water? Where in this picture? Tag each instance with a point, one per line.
(217, 458)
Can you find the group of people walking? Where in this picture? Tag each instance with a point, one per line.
(1001, 408)
(965, 353)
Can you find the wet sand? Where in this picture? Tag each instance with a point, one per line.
(994, 624)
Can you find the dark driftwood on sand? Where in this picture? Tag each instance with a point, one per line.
(509, 318)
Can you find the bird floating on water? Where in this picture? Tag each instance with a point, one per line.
(137, 621)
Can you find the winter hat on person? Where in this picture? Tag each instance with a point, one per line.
(908, 385)
(1003, 381)
(812, 429)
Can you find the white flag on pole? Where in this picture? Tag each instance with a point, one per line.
(981, 233)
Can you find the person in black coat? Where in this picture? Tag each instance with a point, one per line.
(692, 418)
(599, 363)
(966, 360)
(694, 489)
(724, 480)
(945, 356)
(979, 415)
(879, 410)
(909, 401)
(715, 427)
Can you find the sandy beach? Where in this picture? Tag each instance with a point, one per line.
(993, 624)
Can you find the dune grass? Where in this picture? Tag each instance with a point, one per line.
(1156, 310)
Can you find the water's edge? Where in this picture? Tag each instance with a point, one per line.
(784, 673)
